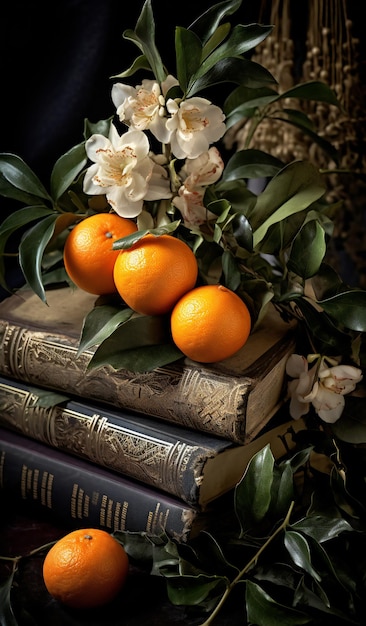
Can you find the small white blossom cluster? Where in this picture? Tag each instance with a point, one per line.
(323, 385)
(127, 172)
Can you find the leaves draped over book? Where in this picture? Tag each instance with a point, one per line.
(233, 399)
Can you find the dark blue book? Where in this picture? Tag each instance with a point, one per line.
(194, 466)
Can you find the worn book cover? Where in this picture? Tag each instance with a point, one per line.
(232, 399)
(194, 466)
(80, 494)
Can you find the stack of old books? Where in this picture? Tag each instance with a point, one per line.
(147, 452)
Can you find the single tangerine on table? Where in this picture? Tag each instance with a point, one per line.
(86, 568)
(88, 253)
(210, 323)
(154, 273)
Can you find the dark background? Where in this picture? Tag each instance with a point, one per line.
(56, 61)
(56, 66)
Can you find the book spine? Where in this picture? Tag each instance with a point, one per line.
(190, 396)
(80, 494)
(153, 453)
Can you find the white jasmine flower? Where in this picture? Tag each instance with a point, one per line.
(197, 175)
(143, 107)
(122, 170)
(195, 123)
(322, 386)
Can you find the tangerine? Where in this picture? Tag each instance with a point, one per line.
(210, 323)
(86, 568)
(88, 254)
(154, 273)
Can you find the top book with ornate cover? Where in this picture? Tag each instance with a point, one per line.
(233, 399)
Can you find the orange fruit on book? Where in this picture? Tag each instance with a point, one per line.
(210, 323)
(88, 254)
(86, 568)
(154, 273)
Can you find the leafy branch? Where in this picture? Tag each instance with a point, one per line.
(297, 571)
(247, 567)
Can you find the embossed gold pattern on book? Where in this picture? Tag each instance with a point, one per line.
(195, 398)
(150, 460)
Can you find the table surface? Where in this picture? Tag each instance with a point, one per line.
(143, 600)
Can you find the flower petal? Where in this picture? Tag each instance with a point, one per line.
(297, 408)
(295, 365)
(328, 405)
(194, 124)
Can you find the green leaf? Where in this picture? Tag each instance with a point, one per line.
(99, 128)
(352, 427)
(299, 119)
(188, 54)
(209, 556)
(130, 240)
(206, 24)
(327, 597)
(242, 232)
(47, 398)
(144, 37)
(242, 39)
(55, 276)
(138, 545)
(299, 551)
(140, 63)
(231, 70)
(66, 170)
(327, 337)
(253, 493)
(7, 190)
(326, 283)
(349, 505)
(7, 617)
(217, 37)
(20, 176)
(263, 610)
(311, 237)
(292, 190)
(282, 490)
(237, 194)
(166, 559)
(322, 528)
(312, 90)
(325, 145)
(348, 308)
(140, 345)
(281, 235)
(251, 164)
(194, 590)
(31, 249)
(244, 98)
(100, 323)
(14, 222)
(139, 359)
